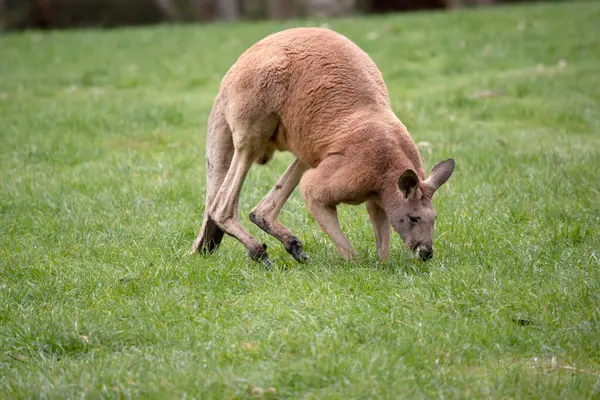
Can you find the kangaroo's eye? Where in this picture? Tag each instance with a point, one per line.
(413, 220)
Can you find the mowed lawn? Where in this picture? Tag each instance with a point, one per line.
(102, 193)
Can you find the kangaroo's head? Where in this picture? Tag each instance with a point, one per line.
(414, 217)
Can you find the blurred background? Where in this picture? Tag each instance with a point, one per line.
(57, 14)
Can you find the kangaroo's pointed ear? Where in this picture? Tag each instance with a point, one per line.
(408, 182)
(440, 173)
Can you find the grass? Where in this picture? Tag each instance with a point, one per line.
(102, 176)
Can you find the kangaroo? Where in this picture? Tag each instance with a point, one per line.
(316, 94)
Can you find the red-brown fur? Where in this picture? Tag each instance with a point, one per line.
(313, 92)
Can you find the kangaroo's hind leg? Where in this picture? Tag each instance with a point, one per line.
(265, 213)
(224, 210)
(249, 139)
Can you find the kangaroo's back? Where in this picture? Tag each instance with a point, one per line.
(315, 81)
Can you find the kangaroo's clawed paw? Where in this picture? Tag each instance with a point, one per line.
(260, 255)
(295, 249)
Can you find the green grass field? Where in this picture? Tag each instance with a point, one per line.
(102, 177)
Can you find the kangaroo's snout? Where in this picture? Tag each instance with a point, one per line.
(423, 252)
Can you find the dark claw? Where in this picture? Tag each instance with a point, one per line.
(295, 249)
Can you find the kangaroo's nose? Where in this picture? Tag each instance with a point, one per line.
(424, 253)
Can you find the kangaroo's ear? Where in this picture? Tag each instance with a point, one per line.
(440, 173)
(408, 182)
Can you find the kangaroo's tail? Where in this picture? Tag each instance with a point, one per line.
(219, 152)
